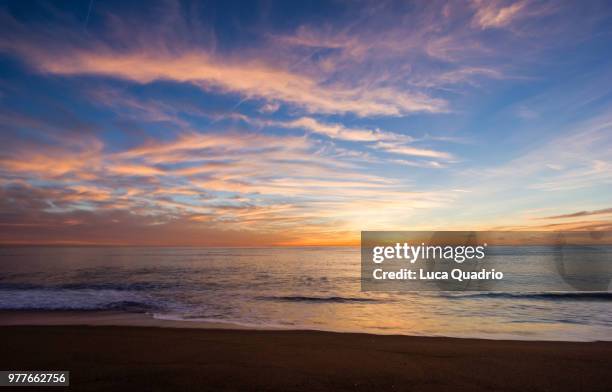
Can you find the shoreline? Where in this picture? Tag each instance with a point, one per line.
(106, 318)
(116, 318)
(176, 359)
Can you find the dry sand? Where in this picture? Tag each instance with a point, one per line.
(110, 358)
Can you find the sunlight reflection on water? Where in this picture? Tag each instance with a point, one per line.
(314, 288)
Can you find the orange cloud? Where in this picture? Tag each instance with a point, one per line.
(251, 78)
(580, 214)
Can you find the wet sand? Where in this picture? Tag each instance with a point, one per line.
(104, 358)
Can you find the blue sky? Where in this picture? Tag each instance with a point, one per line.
(272, 123)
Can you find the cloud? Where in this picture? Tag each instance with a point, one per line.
(580, 154)
(246, 74)
(509, 14)
(578, 214)
(371, 64)
(226, 182)
(270, 107)
(423, 164)
(51, 161)
(496, 13)
(258, 136)
(135, 170)
(252, 79)
(339, 131)
(577, 158)
(378, 139)
(582, 226)
(413, 151)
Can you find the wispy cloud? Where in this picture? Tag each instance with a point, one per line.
(342, 132)
(414, 151)
(497, 13)
(247, 75)
(229, 181)
(250, 78)
(392, 142)
(580, 214)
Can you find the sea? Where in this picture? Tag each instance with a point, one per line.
(316, 288)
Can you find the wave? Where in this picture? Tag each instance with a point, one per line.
(134, 286)
(76, 300)
(123, 306)
(299, 298)
(131, 306)
(550, 296)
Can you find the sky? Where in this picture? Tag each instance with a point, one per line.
(301, 123)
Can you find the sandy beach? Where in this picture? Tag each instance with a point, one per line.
(102, 358)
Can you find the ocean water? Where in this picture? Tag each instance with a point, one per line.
(295, 288)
